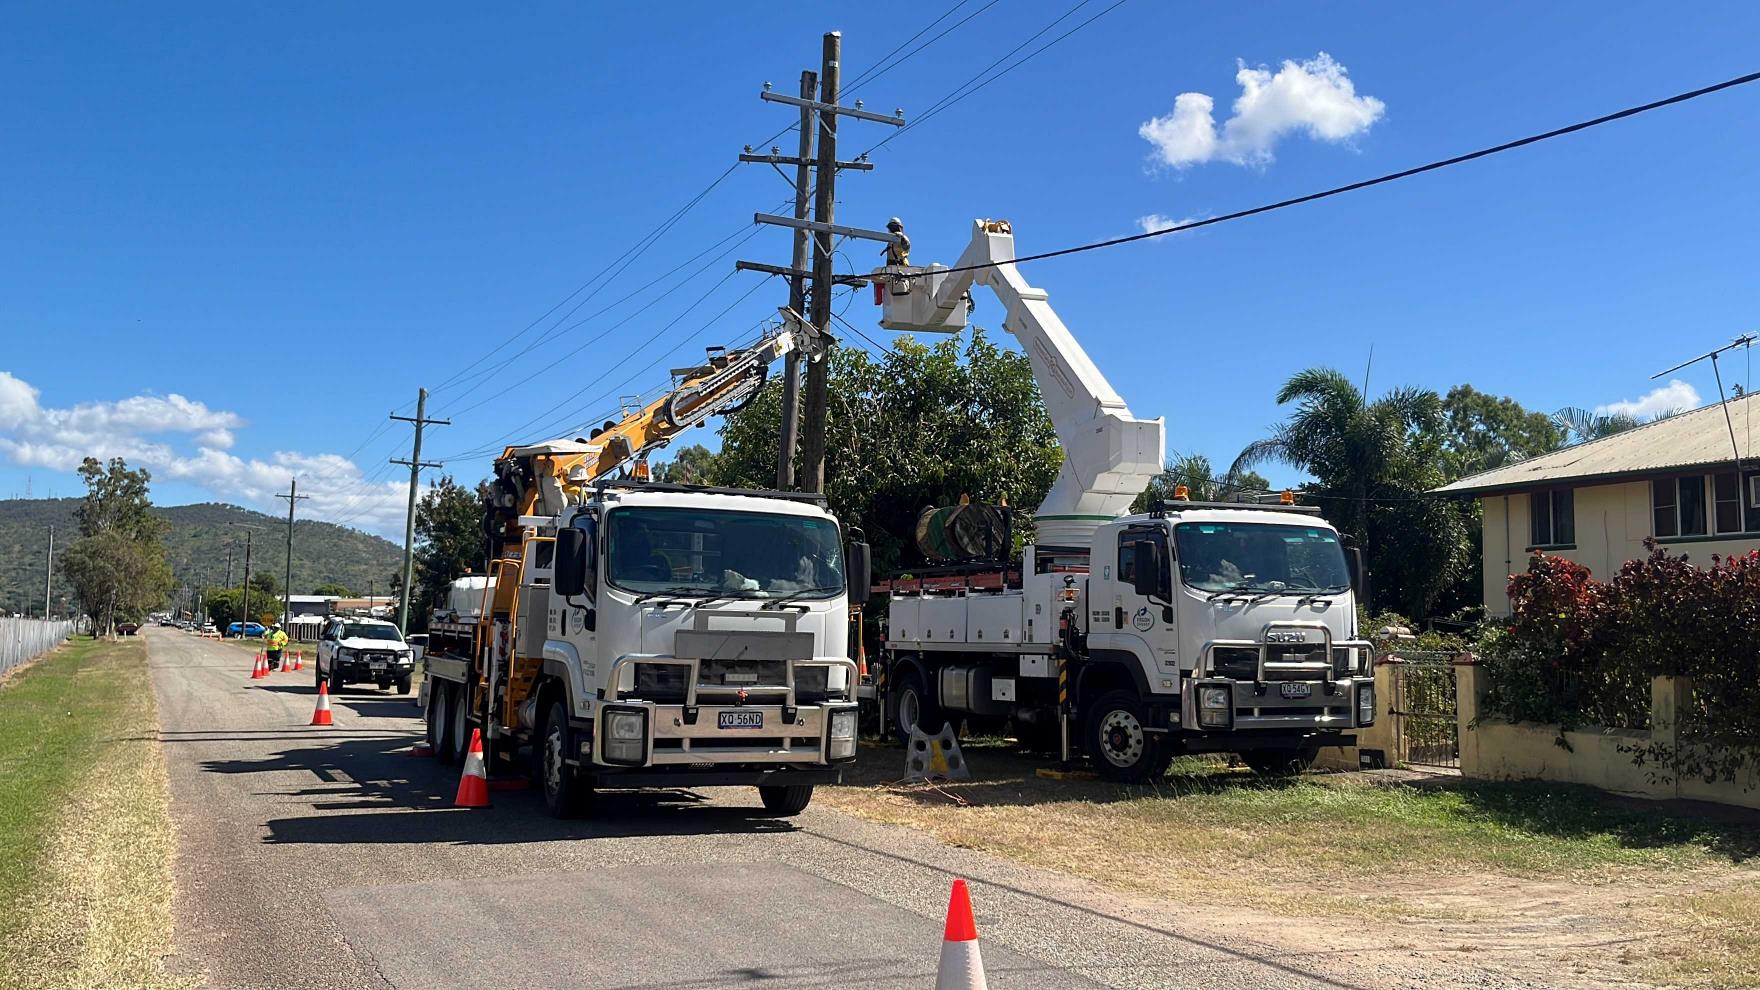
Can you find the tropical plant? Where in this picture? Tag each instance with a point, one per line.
(1201, 482)
(1582, 425)
(1373, 464)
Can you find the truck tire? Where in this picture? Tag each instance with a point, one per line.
(785, 800)
(457, 728)
(914, 707)
(566, 795)
(436, 719)
(1280, 762)
(1118, 744)
(403, 684)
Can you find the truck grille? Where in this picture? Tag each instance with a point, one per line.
(665, 684)
(1242, 662)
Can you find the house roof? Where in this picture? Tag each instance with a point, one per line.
(1699, 438)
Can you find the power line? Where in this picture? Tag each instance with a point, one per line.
(1382, 179)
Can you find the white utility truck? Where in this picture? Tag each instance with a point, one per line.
(1193, 628)
(634, 634)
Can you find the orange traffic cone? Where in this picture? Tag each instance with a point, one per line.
(262, 669)
(256, 668)
(299, 662)
(962, 965)
(321, 714)
(473, 786)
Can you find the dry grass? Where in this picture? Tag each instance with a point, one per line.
(1712, 940)
(1505, 862)
(85, 895)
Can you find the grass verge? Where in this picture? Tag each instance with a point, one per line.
(1345, 845)
(85, 834)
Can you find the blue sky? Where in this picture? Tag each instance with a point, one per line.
(235, 237)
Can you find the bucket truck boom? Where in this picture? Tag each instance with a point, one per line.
(1109, 455)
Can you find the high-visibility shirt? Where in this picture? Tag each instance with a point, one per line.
(277, 640)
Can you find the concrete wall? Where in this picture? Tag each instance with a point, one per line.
(1383, 737)
(1612, 522)
(1494, 749)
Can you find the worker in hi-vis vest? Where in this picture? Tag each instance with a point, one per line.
(274, 641)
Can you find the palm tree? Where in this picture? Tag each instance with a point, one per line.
(1374, 462)
(1350, 445)
(1202, 484)
(1580, 425)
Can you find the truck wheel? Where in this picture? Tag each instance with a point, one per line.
(1279, 762)
(403, 685)
(914, 708)
(786, 800)
(1118, 744)
(457, 729)
(565, 793)
(436, 717)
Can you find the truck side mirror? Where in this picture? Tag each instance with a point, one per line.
(573, 556)
(1145, 568)
(1359, 572)
(859, 566)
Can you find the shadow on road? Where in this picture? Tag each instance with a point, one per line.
(391, 796)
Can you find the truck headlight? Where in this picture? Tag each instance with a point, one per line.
(842, 735)
(626, 736)
(1215, 707)
(1366, 704)
(344, 653)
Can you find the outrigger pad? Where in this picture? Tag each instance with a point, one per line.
(935, 757)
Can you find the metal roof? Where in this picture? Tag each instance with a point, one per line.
(1699, 438)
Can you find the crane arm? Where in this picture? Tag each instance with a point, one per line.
(1109, 455)
(541, 478)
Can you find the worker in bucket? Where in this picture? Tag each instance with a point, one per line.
(274, 641)
(898, 250)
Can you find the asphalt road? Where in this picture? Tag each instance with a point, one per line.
(314, 858)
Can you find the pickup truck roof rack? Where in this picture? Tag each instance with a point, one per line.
(1158, 509)
(635, 484)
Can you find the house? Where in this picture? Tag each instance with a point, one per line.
(1595, 503)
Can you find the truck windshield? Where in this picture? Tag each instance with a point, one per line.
(1264, 557)
(723, 554)
(351, 630)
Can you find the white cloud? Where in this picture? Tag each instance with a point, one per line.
(148, 431)
(1315, 96)
(1156, 221)
(1674, 397)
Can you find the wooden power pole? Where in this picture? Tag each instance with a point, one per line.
(293, 497)
(416, 464)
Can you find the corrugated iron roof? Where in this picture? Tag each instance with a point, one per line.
(1693, 439)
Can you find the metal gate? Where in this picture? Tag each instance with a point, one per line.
(1424, 708)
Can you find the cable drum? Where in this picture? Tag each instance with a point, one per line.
(975, 531)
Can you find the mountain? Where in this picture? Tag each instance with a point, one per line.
(198, 538)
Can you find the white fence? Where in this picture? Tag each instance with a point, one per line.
(24, 639)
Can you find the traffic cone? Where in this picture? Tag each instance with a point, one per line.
(321, 714)
(473, 786)
(299, 662)
(256, 668)
(962, 965)
(262, 669)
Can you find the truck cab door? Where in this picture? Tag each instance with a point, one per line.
(1123, 617)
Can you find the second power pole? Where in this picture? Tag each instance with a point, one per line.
(824, 204)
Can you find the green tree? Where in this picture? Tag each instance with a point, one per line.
(916, 427)
(692, 465)
(333, 588)
(449, 541)
(1202, 482)
(223, 605)
(267, 583)
(1373, 465)
(1486, 431)
(117, 566)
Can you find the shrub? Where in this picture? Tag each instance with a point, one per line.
(1581, 652)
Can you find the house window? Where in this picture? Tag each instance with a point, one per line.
(1726, 502)
(1751, 509)
(1662, 507)
(1552, 518)
(1678, 506)
(1692, 505)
